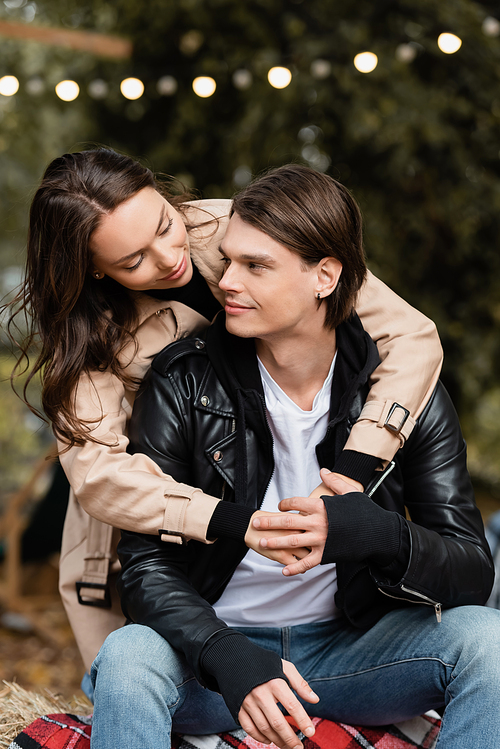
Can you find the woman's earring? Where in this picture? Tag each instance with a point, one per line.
(318, 296)
(97, 274)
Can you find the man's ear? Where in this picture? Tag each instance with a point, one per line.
(328, 270)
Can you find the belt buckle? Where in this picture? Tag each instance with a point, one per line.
(396, 428)
(101, 603)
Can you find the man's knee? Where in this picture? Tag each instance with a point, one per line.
(471, 620)
(132, 642)
(476, 629)
(136, 652)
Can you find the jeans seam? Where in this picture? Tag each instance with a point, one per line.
(190, 678)
(178, 686)
(285, 642)
(377, 668)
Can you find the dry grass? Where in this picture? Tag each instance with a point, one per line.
(20, 707)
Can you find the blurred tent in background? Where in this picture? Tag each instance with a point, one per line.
(416, 137)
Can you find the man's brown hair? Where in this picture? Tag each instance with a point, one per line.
(314, 216)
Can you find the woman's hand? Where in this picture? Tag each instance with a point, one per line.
(335, 483)
(255, 535)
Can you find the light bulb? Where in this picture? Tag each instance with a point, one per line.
(67, 90)
(279, 77)
(132, 88)
(365, 62)
(204, 86)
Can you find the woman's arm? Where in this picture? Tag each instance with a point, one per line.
(130, 491)
(122, 490)
(402, 384)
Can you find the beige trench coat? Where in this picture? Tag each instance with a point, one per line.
(130, 492)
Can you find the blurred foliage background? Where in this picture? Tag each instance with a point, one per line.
(417, 140)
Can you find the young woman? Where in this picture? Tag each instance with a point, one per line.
(118, 268)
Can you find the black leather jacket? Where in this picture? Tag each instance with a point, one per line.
(201, 416)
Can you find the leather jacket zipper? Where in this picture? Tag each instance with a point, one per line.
(425, 599)
(263, 400)
(233, 429)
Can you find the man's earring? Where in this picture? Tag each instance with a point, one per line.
(96, 274)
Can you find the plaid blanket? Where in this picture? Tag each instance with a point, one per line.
(73, 732)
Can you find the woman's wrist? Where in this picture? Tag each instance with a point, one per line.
(230, 521)
(357, 467)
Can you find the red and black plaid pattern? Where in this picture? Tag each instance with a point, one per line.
(73, 732)
(62, 731)
(420, 732)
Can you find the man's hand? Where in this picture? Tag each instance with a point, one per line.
(254, 536)
(309, 528)
(262, 719)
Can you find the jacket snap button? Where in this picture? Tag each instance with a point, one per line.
(218, 456)
(199, 344)
(205, 400)
(158, 312)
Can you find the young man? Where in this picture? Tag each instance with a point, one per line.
(386, 622)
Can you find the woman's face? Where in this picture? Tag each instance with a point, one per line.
(143, 244)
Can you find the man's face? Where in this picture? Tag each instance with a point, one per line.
(268, 292)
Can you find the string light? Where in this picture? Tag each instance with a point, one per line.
(9, 85)
(98, 89)
(204, 86)
(279, 77)
(406, 52)
(449, 43)
(132, 88)
(35, 86)
(365, 62)
(491, 26)
(67, 90)
(166, 86)
(242, 79)
(320, 69)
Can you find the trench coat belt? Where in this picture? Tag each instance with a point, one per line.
(93, 588)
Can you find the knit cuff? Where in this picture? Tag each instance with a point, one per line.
(357, 466)
(359, 530)
(239, 666)
(230, 520)
(392, 573)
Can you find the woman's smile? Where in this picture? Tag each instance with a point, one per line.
(143, 244)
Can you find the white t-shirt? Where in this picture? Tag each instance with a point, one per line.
(258, 594)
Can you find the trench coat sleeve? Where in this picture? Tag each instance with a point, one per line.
(122, 490)
(411, 354)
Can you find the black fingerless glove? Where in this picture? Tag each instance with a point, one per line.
(359, 530)
(238, 665)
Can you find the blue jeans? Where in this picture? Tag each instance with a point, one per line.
(402, 667)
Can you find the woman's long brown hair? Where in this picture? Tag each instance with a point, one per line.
(74, 323)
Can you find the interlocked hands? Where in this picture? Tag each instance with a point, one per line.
(297, 539)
